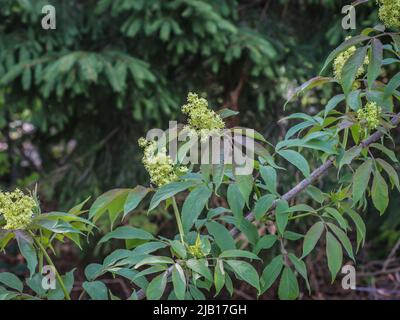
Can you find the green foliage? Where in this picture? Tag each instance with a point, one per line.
(113, 69)
(125, 67)
(206, 253)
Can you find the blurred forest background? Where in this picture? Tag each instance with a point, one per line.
(74, 101)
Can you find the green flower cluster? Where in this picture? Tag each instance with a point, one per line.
(195, 250)
(389, 12)
(370, 115)
(159, 164)
(201, 120)
(17, 209)
(341, 60)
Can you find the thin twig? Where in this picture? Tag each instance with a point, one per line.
(378, 273)
(391, 255)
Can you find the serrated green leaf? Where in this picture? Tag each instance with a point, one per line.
(127, 232)
(316, 194)
(133, 198)
(269, 176)
(196, 293)
(334, 254)
(344, 239)
(169, 190)
(246, 272)
(271, 273)
(263, 205)
(298, 128)
(300, 266)
(308, 85)
(245, 185)
(288, 286)
(375, 61)
(178, 248)
(311, 238)
(301, 208)
(337, 216)
(342, 47)
(226, 113)
(391, 172)
(354, 100)
(25, 245)
(154, 260)
(293, 236)
(156, 287)
(112, 200)
(388, 152)
(350, 155)
(360, 180)
(236, 201)
(194, 205)
(380, 193)
(265, 242)
(97, 290)
(200, 266)
(218, 171)
(11, 281)
(228, 284)
(219, 276)
(93, 270)
(332, 103)
(221, 236)
(360, 225)
(281, 215)
(393, 84)
(351, 68)
(179, 281)
(238, 254)
(297, 160)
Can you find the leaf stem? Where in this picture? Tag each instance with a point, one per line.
(50, 262)
(346, 131)
(40, 256)
(178, 220)
(301, 215)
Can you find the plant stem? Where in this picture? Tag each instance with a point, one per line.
(178, 219)
(346, 131)
(40, 256)
(50, 262)
(301, 215)
(81, 295)
(346, 137)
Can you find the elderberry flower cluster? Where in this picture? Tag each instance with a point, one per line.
(159, 164)
(341, 60)
(370, 115)
(195, 250)
(201, 120)
(389, 12)
(17, 209)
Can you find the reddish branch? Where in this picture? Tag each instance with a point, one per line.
(232, 99)
(291, 194)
